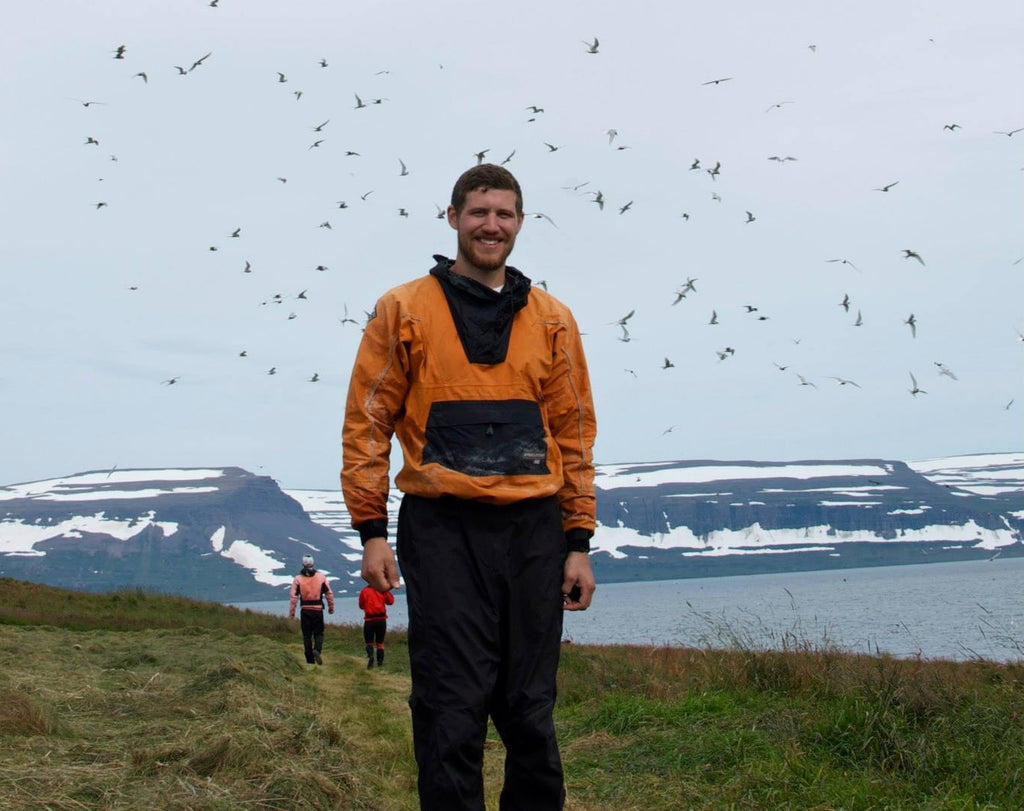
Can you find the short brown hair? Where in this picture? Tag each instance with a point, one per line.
(482, 177)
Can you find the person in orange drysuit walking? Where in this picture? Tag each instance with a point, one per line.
(375, 621)
(310, 587)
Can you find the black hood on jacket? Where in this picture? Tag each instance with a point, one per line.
(482, 316)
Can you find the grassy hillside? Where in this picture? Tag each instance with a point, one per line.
(138, 701)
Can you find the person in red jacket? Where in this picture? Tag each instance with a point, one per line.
(310, 587)
(374, 605)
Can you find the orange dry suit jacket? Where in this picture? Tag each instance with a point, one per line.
(311, 587)
(487, 392)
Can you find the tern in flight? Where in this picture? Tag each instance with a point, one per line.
(345, 319)
(945, 370)
(909, 254)
(622, 321)
(199, 61)
(845, 262)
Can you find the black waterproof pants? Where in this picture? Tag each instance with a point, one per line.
(485, 628)
(374, 631)
(312, 623)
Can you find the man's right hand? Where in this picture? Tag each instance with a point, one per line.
(379, 567)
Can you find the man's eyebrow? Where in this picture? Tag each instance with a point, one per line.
(499, 209)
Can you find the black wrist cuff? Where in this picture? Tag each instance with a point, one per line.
(374, 528)
(578, 540)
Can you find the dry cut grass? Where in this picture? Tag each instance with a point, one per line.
(179, 705)
(166, 720)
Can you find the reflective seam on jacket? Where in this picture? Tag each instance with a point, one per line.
(371, 396)
(581, 442)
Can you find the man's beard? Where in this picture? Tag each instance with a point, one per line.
(486, 262)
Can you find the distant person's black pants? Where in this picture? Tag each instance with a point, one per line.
(374, 631)
(312, 622)
(485, 627)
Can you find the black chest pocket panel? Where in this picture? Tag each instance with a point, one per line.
(487, 437)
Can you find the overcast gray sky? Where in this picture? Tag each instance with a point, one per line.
(103, 303)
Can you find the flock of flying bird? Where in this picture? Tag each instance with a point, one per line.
(320, 131)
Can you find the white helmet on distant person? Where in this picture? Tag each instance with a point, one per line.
(307, 561)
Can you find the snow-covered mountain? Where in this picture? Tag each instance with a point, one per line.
(213, 534)
(226, 534)
(702, 518)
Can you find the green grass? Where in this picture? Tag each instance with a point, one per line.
(139, 701)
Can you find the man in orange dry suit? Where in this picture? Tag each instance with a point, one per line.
(483, 379)
(374, 605)
(310, 587)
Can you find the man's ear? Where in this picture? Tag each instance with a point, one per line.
(453, 218)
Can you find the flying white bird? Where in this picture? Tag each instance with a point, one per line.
(945, 370)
